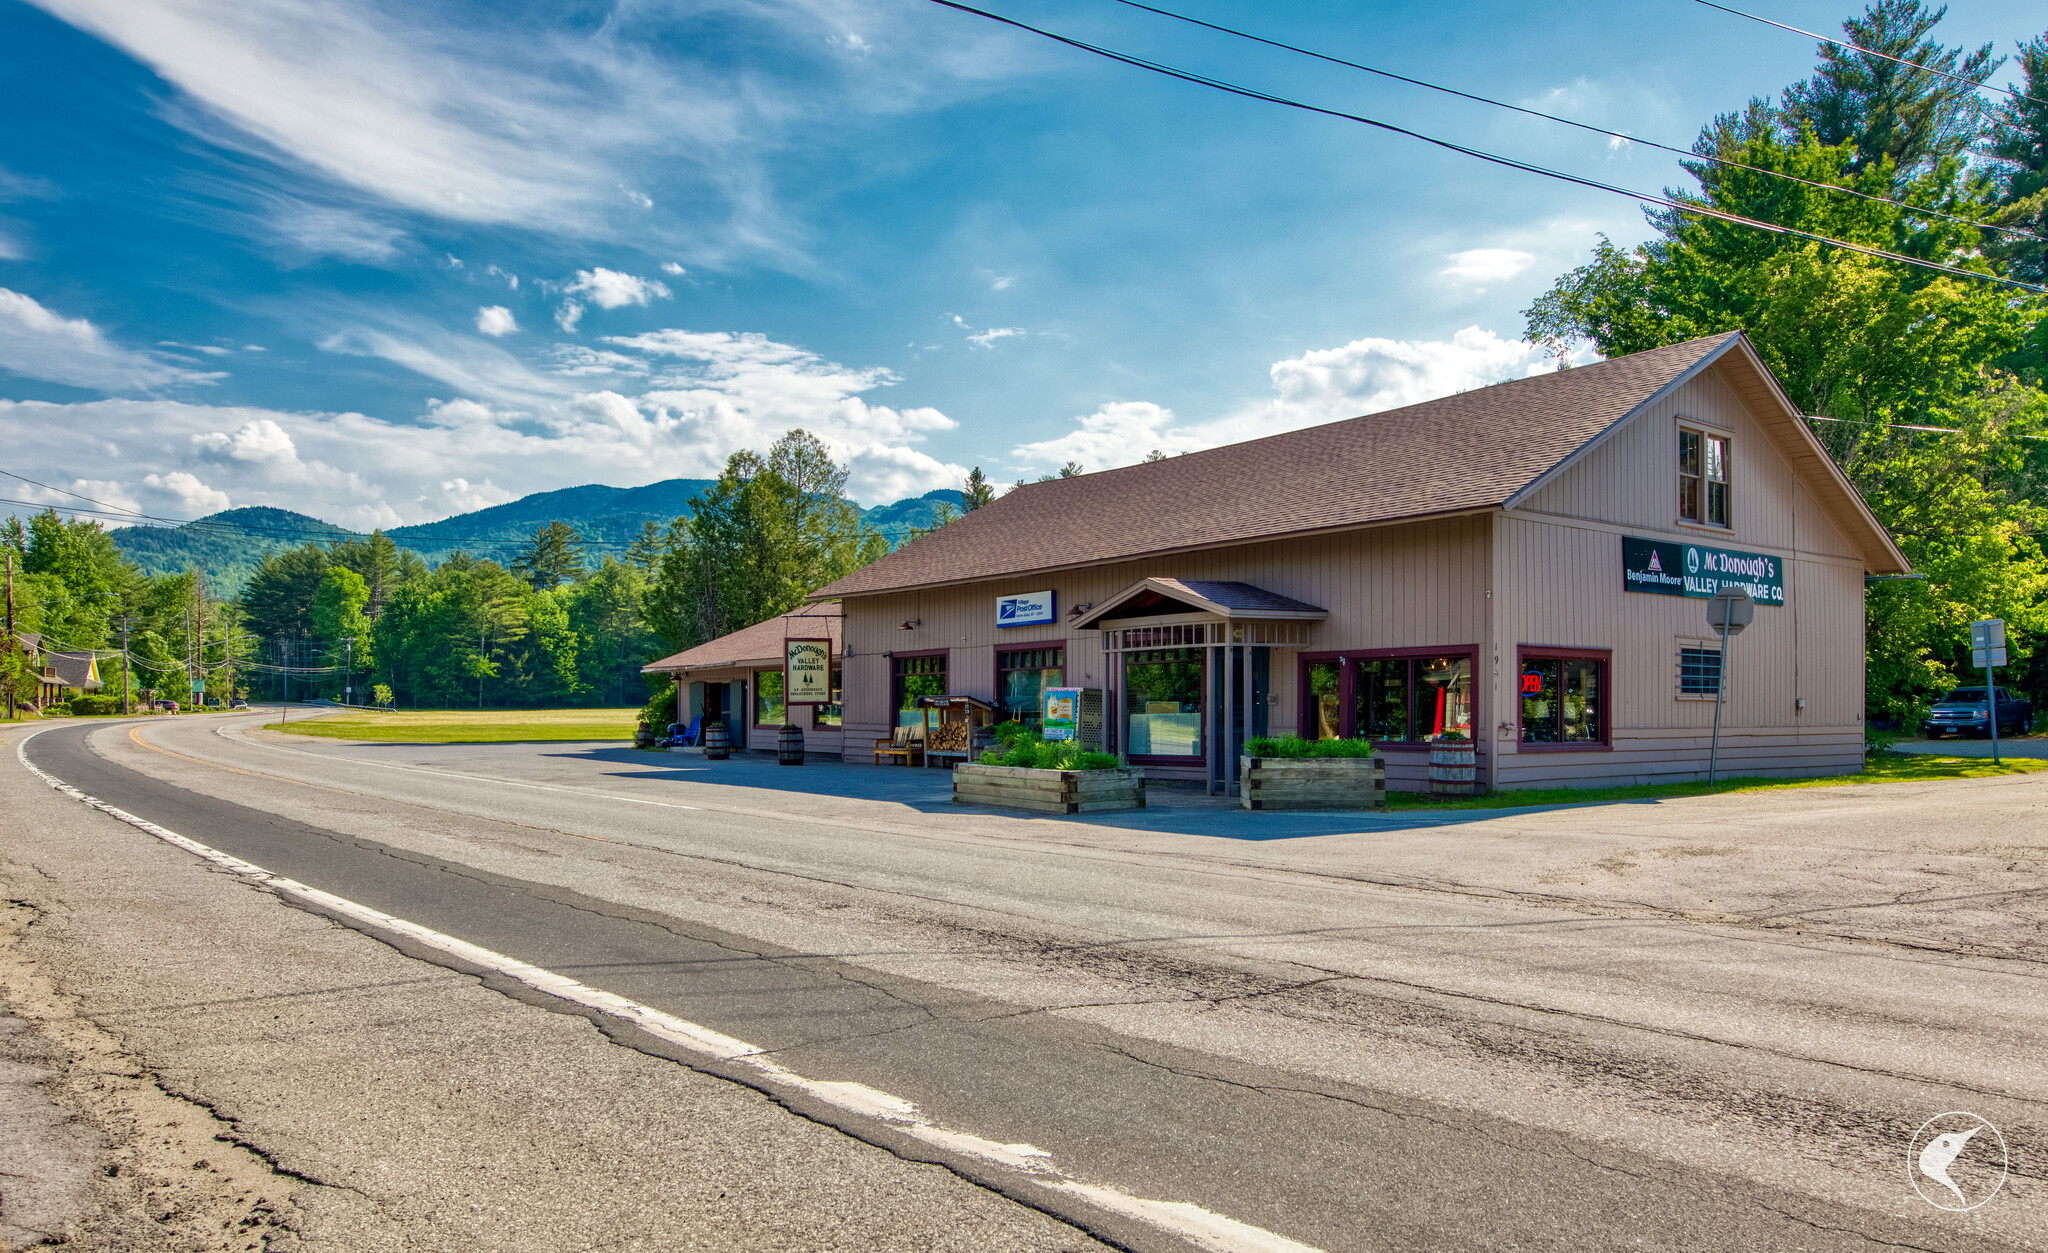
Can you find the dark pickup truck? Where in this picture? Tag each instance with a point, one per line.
(1966, 712)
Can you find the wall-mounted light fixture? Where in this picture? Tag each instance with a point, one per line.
(1077, 610)
(911, 625)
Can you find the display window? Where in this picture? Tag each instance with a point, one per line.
(769, 710)
(1022, 675)
(1394, 697)
(1563, 697)
(830, 715)
(1163, 703)
(912, 676)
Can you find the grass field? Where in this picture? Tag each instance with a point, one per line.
(468, 726)
(1879, 768)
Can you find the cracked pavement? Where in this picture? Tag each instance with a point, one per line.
(1703, 1024)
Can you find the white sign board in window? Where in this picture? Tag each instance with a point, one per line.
(1025, 609)
(808, 672)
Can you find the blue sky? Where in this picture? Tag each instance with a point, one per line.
(383, 263)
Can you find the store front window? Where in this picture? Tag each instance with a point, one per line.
(1326, 699)
(768, 707)
(1021, 679)
(1163, 702)
(912, 677)
(829, 715)
(1563, 700)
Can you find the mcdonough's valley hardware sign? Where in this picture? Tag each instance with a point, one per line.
(1699, 570)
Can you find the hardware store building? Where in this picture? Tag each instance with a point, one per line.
(1526, 565)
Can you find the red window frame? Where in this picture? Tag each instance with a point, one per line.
(1347, 688)
(1525, 653)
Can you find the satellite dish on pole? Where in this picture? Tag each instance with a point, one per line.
(1730, 610)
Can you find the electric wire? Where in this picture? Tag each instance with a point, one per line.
(1513, 163)
(1686, 153)
(1872, 52)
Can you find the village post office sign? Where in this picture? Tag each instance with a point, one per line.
(1025, 609)
(1665, 568)
(808, 672)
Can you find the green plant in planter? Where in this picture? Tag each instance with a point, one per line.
(1026, 749)
(1295, 746)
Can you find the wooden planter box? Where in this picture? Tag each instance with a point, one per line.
(1313, 783)
(1049, 791)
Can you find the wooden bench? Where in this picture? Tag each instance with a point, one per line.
(906, 746)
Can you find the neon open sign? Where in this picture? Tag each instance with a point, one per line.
(1532, 683)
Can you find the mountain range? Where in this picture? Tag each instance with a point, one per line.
(228, 546)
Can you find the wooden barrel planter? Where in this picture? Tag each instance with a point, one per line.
(1313, 783)
(1453, 768)
(643, 736)
(717, 742)
(1049, 791)
(789, 745)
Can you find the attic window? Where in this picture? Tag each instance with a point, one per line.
(1702, 477)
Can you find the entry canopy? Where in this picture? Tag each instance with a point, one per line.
(1194, 600)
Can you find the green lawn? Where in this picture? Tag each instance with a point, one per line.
(468, 726)
(1879, 768)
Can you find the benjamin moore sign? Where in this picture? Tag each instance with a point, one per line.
(808, 673)
(1699, 570)
(1027, 609)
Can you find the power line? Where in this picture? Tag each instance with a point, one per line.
(1686, 153)
(1513, 163)
(1872, 52)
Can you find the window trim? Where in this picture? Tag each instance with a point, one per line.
(1347, 689)
(754, 700)
(1706, 431)
(1524, 653)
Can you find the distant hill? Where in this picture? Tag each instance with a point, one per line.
(228, 546)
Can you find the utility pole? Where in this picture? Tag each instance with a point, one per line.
(12, 644)
(481, 658)
(125, 621)
(348, 661)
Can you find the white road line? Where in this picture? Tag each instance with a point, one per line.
(1205, 1229)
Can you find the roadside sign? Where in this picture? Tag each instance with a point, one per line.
(198, 686)
(1988, 633)
(1982, 657)
(1987, 653)
(1729, 610)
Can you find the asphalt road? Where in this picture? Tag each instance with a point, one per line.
(1699, 1025)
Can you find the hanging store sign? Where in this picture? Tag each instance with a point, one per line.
(1664, 568)
(1027, 609)
(807, 672)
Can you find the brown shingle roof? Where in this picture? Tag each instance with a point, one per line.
(1464, 452)
(760, 642)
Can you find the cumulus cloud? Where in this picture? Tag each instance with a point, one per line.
(569, 315)
(495, 321)
(39, 344)
(192, 495)
(610, 289)
(1487, 265)
(667, 404)
(987, 338)
(1323, 385)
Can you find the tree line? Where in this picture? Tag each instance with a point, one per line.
(1926, 387)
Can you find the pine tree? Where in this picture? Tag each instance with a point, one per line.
(553, 555)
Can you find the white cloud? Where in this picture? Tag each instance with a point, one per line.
(610, 289)
(495, 321)
(36, 343)
(193, 496)
(511, 279)
(569, 315)
(1002, 282)
(673, 268)
(1488, 265)
(987, 338)
(1324, 385)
